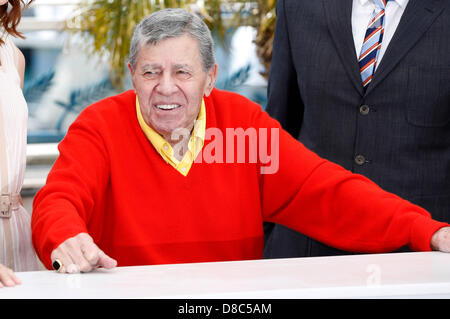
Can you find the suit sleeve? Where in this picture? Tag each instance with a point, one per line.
(328, 203)
(283, 97)
(63, 207)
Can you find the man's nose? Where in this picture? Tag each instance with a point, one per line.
(167, 85)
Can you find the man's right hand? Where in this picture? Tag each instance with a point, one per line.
(80, 253)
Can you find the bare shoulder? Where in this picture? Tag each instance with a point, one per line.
(19, 59)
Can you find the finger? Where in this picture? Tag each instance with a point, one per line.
(7, 277)
(96, 257)
(73, 269)
(62, 256)
(89, 248)
(91, 253)
(105, 261)
(16, 279)
(80, 263)
(6, 281)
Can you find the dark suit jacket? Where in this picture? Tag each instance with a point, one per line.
(400, 138)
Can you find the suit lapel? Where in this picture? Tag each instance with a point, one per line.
(339, 18)
(418, 16)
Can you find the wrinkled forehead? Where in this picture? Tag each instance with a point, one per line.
(181, 50)
(152, 41)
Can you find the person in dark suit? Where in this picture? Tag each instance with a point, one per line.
(391, 126)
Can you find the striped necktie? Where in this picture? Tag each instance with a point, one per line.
(372, 43)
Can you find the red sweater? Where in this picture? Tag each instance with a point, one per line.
(111, 183)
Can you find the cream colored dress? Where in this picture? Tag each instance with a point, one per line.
(16, 250)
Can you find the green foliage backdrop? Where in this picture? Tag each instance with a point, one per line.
(110, 24)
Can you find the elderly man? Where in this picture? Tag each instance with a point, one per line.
(130, 187)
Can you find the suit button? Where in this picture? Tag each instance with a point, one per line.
(364, 109)
(360, 159)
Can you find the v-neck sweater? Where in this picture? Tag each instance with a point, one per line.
(110, 182)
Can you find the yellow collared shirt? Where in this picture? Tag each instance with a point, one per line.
(195, 144)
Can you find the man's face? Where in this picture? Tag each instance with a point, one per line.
(170, 83)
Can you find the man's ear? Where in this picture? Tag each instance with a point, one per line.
(130, 68)
(211, 79)
(131, 72)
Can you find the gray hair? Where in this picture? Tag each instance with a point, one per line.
(170, 23)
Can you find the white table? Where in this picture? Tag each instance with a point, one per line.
(399, 275)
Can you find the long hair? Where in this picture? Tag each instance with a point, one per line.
(10, 17)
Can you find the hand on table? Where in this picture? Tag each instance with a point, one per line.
(80, 253)
(441, 240)
(7, 277)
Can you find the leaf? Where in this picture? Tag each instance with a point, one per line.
(110, 23)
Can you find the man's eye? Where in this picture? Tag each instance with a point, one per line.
(183, 73)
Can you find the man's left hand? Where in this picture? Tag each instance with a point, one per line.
(441, 240)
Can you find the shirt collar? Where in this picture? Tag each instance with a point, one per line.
(195, 144)
(401, 3)
(198, 130)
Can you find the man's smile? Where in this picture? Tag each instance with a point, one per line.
(167, 106)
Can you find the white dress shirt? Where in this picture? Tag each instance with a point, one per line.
(362, 14)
